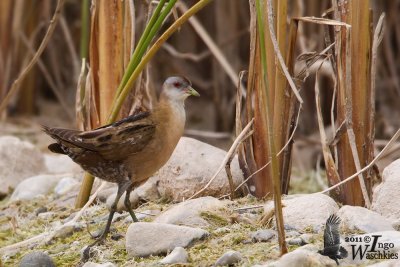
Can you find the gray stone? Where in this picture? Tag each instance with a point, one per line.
(191, 167)
(144, 239)
(303, 211)
(229, 258)
(35, 186)
(19, 160)
(303, 258)
(188, 212)
(263, 235)
(296, 241)
(35, 259)
(359, 218)
(60, 164)
(66, 185)
(386, 197)
(178, 255)
(92, 264)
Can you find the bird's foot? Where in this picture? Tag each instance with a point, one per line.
(86, 255)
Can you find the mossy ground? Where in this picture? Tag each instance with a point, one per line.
(227, 232)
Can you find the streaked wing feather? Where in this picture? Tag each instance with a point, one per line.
(114, 141)
(331, 234)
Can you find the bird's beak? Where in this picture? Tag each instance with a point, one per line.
(191, 91)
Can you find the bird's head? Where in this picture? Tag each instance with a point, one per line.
(178, 88)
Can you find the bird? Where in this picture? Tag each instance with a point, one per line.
(129, 151)
(332, 247)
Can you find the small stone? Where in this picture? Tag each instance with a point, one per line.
(263, 235)
(297, 241)
(92, 264)
(40, 210)
(178, 255)
(188, 212)
(103, 195)
(35, 259)
(222, 230)
(229, 258)
(144, 239)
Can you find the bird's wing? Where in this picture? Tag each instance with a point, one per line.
(114, 141)
(331, 235)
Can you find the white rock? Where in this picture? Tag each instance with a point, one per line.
(188, 212)
(144, 239)
(229, 258)
(65, 185)
(359, 218)
(300, 212)
(35, 186)
(92, 264)
(386, 197)
(178, 255)
(19, 160)
(303, 258)
(61, 164)
(263, 235)
(191, 167)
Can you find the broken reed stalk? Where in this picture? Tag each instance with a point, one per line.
(15, 85)
(353, 49)
(135, 68)
(274, 171)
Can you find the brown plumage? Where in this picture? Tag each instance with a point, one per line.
(129, 151)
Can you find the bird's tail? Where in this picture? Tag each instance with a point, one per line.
(343, 252)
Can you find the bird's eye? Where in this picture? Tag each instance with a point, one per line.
(177, 84)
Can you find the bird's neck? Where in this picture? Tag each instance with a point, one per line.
(172, 110)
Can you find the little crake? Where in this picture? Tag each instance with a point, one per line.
(129, 151)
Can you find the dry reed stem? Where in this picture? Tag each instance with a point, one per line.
(371, 164)
(331, 170)
(15, 85)
(283, 148)
(279, 55)
(215, 50)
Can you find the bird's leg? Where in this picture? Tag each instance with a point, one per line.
(128, 203)
(121, 188)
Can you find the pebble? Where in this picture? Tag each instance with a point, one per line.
(144, 239)
(35, 259)
(263, 235)
(229, 258)
(178, 255)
